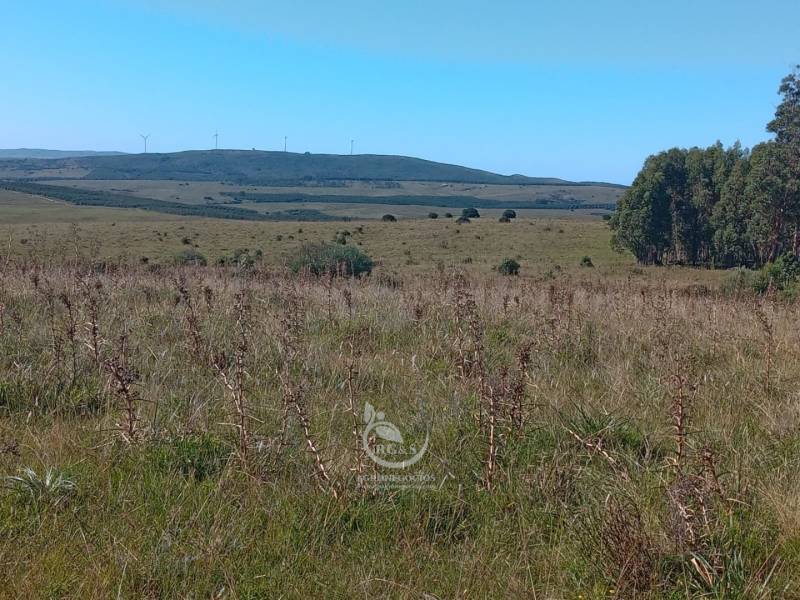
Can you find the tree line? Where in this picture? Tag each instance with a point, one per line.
(716, 206)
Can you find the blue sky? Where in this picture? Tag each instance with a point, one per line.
(575, 89)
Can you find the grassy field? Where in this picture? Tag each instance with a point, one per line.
(194, 432)
(205, 432)
(199, 191)
(35, 224)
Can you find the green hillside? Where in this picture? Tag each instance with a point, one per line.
(260, 168)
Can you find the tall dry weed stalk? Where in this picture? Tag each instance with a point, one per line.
(292, 328)
(490, 462)
(468, 341)
(191, 319)
(517, 386)
(233, 374)
(44, 289)
(70, 328)
(122, 381)
(93, 296)
(683, 392)
(353, 408)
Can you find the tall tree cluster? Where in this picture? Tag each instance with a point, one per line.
(719, 206)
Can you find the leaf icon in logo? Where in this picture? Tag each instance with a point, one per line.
(369, 413)
(389, 432)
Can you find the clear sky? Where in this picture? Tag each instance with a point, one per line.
(577, 89)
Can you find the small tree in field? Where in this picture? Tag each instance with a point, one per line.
(470, 213)
(389, 218)
(509, 214)
(509, 266)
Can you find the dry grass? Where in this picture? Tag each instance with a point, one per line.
(588, 437)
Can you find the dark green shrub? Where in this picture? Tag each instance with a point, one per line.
(242, 258)
(510, 214)
(332, 259)
(433, 215)
(509, 266)
(461, 220)
(389, 218)
(190, 257)
(470, 213)
(448, 215)
(586, 261)
(782, 275)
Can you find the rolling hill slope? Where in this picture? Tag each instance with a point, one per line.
(260, 168)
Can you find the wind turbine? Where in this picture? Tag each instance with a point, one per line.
(144, 137)
(285, 139)
(216, 140)
(351, 147)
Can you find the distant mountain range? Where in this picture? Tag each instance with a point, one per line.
(251, 167)
(47, 154)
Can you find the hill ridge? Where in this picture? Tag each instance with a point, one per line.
(256, 167)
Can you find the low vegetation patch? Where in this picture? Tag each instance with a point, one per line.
(332, 259)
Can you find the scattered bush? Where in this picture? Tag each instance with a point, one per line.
(448, 215)
(470, 213)
(191, 257)
(389, 218)
(586, 261)
(509, 266)
(782, 275)
(510, 214)
(433, 215)
(462, 220)
(332, 259)
(242, 258)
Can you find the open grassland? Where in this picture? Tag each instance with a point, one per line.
(198, 192)
(20, 210)
(539, 245)
(549, 243)
(50, 229)
(197, 433)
